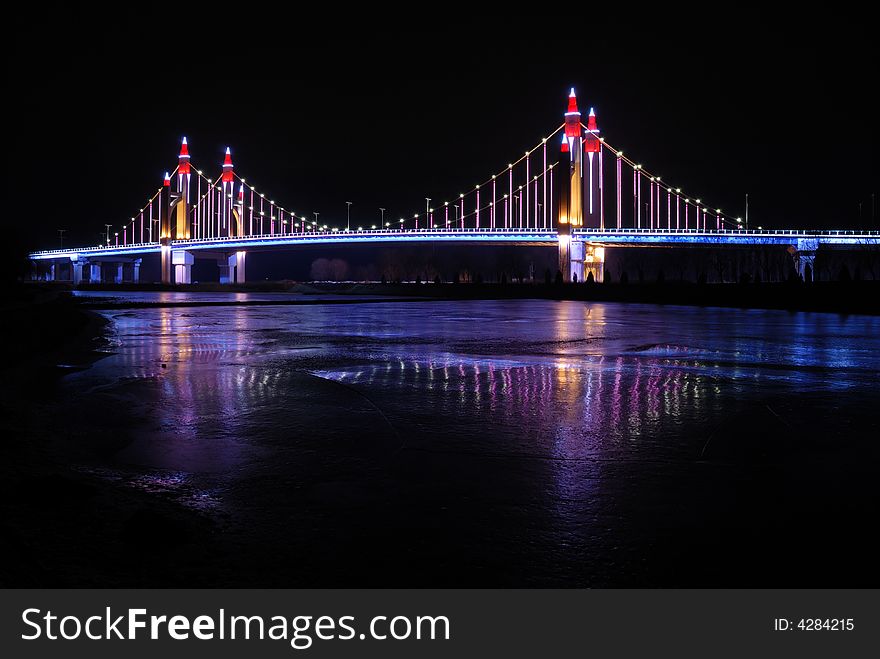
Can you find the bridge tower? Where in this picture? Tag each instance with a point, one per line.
(228, 180)
(181, 215)
(594, 215)
(165, 229)
(571, 210)
(576, 258)
(174, 211)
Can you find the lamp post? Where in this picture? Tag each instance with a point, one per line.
(348, 216)
(382, 210)
(61, 238)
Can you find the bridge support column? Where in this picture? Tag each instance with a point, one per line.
(594, 263)
(95, 273)
(224, 271)
(572, 252)
(577, 250)
(804, 255)
(76, 272)
(236, 265)
(165, 264)
(136, 270)
(183, 262)
(50, 273)
(117, 277)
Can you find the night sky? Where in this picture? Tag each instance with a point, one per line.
(319, 112)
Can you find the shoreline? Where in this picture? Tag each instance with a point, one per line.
(855, 297)
(63, 524)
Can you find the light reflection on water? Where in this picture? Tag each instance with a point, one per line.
(611, 371)
(247, 405)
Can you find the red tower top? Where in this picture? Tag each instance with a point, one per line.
(572, 103)
(592, 143)
(227, 167)
(183, 166)
(591, 122)
(564, 143)
(167, 182)
(572, 119)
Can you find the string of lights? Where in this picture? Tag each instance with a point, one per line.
(519, 205)
(729, 219)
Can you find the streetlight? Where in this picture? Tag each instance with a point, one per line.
(61, 238)
(382, 210)
(348, 215)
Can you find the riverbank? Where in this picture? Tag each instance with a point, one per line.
(854, 297)
(62, 524)
(837, 297)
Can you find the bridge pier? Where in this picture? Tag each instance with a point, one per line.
(578, 260)
(237, 261)
(804, 255)
(117, 277)
(50, 273)
(576, 250)
(76, 272)
(224, 271)
(136, 270)
(183, 262)
(232, 268)
(95, 273)
(594, 263)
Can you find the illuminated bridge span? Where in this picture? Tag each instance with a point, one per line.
(599, 198)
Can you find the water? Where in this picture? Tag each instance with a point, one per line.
(483, 443)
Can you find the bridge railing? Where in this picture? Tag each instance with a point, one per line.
(96, 248)
(519, 231)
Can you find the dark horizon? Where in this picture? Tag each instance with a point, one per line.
(383, 119)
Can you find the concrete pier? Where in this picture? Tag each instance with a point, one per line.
(76, 272)
(237, 261)
(804, 255)
(182, 262)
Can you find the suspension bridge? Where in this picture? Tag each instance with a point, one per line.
(572, 189)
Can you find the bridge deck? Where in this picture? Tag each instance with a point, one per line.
(537, 236)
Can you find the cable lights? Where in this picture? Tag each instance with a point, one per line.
(205, 209)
